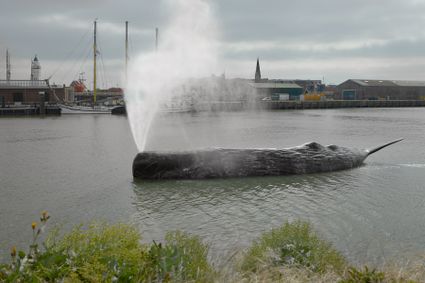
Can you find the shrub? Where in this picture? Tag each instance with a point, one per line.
(182, 258)
(110, 253)
(99, 253)
(293, 244)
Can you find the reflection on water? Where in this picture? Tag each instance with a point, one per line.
(230, 213)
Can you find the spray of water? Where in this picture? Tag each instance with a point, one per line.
(188, 49)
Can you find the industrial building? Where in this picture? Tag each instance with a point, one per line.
(381, 90)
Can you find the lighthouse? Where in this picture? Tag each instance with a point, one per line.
(35, 69)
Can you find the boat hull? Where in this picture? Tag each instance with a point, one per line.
(84, 110)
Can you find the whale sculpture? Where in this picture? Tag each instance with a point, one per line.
(222, 163)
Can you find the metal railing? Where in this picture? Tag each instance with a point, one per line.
(23, 84)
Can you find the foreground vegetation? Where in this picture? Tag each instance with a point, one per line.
(114, 253)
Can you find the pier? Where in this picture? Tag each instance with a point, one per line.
(329, 104)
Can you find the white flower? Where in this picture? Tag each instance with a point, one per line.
(23, 263)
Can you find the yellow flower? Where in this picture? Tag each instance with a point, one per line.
(13, 251)
(33, 225)
(44, 215)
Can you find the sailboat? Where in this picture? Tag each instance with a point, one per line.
(120, 109)
(94, 109)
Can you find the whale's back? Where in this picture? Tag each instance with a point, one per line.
(220, 163)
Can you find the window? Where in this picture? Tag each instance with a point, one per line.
(18, 97)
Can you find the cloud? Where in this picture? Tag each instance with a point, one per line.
(310, 46)
(332, 49)
(64, 21)
(332, 31)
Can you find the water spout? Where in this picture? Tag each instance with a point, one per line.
(187, 50)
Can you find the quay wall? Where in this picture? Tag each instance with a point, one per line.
(329, 104)
(29, 111)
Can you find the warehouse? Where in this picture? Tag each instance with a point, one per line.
(381, 90)
(277, 90)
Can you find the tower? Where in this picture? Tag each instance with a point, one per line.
(35, 69)
(258, 72)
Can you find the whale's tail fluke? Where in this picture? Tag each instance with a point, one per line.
(370, 151)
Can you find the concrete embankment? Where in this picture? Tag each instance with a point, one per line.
(30, 111)
(340, 104)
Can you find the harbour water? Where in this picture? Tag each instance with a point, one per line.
(79, 169)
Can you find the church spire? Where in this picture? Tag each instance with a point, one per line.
(258, 72)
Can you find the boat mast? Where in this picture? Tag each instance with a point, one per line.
(94, 64)
(7, 65)
(126, 51)
(156, 39)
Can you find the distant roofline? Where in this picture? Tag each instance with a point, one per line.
(377, 82)
(384, 80)
(274, 85)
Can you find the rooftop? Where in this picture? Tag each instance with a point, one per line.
(374, 82)
(274, 85)
(389, 83)
(410, 83)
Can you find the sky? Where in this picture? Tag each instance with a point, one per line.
(333, 40)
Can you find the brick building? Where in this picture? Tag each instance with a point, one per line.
(27, 92)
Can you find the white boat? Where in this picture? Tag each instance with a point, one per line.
(95, 109)
(66, 109)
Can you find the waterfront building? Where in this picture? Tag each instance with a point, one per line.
(27, 92)
(310, 86)
(354, 89)
(21, 92)
(274, 89)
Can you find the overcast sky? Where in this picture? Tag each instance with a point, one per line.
(305, 39)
